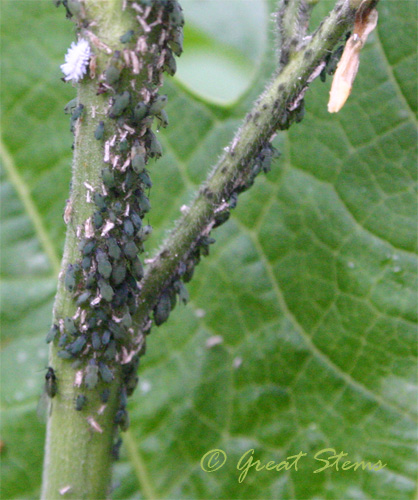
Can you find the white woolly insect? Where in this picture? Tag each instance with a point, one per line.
(76, 61)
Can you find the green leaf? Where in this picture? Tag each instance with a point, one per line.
(311, 285)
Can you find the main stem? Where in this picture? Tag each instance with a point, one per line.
(77, 459)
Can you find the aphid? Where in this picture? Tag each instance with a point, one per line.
(189, 271)
(158, 104)
(138, 163)
(106, 290)
(95, 341)
(70, 106)
(145, 179)
(76, 61)
(121, 295)
(146, 232)
(233, 200)
(130, 250)
(123, 146)
(113, 248)
(110, 352)
(77, 346)
(78, 111)
(182, 291)
(63, 340)
(103, 265)
(51, 386)
(113, 71)
(118, 273)
(100, 201)
(176, 42)
(176, 17)
(331, 63)
(106, 337)
(266, 157)
(74, 7)
(163, 118)
(155, 148)
(69, 280)
(170, 65)
(116, 449)
(123, 398)
(86, 246)
(52, 333)
(162, 309)
(204, 243)
(131, 384)
(120, 103)
(97, 220)
(112, 75)
(221, 217)
(128, 227)
(118, 330)
(86, 263)
(105, 373)
(105, 395)
(137, 269)
(50, 390)
(64, 355)
(84, 297)
(80, 402)
(91, 378)
(108, 178)
(131, 283)
(136, 220)
(143, 202)
(99, 132)
(122, 419)
(127, 37)
(69, 326)
(126, 320)
(140, 111)
(91, 280)
(118, 207)
(173, 298)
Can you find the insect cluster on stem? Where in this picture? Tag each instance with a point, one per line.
(104, 281)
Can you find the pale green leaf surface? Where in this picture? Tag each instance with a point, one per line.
(311, 284)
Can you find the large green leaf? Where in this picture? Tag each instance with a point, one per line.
(311, 284)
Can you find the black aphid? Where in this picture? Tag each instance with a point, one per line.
(51, 386)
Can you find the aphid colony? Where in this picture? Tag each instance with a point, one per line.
(99, 338)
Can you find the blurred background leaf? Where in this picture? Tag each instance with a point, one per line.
(311, 284)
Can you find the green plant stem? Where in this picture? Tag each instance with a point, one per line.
(77, 456)
(267, 116)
